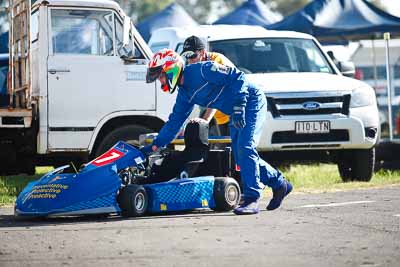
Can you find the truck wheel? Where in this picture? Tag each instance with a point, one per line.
(359, 165)
(127, 133)
(133, 200)
(226, 193)
(344, 171)
(364, 161)
(26, 165)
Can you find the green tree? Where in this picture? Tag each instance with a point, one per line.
(139, 9)
(286, 7)
(202, 10)
(199, 10)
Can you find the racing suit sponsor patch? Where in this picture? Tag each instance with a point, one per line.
(220, 68)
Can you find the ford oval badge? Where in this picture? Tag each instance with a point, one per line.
(311, 105)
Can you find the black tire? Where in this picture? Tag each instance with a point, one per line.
(358, 165)
(226, 193)
(133, 200)
(28, 167)
(345, 171)
(127, 133)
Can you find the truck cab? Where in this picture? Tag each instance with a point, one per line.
(83, 84)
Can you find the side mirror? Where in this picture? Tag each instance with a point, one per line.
(331, 55)
(128, 40)
(347, 68)
(127, 28)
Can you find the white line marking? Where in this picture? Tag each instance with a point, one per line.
(396, 215)
(336, 204)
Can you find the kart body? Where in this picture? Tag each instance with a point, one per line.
(109, 184)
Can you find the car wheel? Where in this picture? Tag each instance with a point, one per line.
(364, 161)
(226, 193)
(345, 171)
(128, 133)
(358, 165)
(133, 200)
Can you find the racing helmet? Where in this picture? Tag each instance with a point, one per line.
(165, 62)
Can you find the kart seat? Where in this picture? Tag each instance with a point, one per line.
(186, 161)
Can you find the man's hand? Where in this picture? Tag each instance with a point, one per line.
(238, 117)
(148, 149)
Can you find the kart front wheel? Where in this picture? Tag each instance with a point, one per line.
(226, 193)
(133, 200)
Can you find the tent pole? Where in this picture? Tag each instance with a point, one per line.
(386, 36)
(374, 64)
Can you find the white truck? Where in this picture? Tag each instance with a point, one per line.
(315, 113)
(77, 84)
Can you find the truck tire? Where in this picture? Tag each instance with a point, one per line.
(133, 200)
(226, 193)
(127, 133)
(357, 165)
(345, 171)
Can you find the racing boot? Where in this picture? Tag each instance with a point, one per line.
(279, 194)
(248, 206)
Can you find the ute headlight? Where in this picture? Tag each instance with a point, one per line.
(363, 96)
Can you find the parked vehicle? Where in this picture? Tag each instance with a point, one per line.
(315, 113)
(77, 87)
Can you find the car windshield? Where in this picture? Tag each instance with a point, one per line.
(265, 55)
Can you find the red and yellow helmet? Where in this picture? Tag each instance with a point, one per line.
(166, 62)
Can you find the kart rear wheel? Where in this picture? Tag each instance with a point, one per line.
(226, 193)
(133, 200)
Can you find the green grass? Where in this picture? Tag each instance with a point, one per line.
(10, 186)
(305, 178)
(325, 177)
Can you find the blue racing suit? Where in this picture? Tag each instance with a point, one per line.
(213, 85)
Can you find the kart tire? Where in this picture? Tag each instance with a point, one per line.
(226, 193)
(133, 201)
(127, 133)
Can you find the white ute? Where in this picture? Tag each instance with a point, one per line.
(315, 112)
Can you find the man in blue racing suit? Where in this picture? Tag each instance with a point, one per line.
(213, 85)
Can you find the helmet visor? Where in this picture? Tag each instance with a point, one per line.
(153, 73)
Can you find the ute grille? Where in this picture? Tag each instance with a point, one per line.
(284, 106)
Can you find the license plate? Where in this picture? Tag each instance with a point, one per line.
(310, 127)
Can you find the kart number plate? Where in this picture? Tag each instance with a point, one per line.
(108, 157)
(311, 127)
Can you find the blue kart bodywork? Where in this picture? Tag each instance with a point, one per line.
(96, 187)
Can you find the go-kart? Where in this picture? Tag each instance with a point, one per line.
(119, 181)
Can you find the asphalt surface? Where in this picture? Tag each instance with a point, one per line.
(350, 228)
